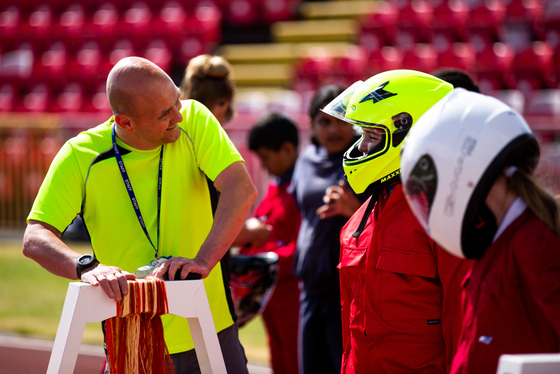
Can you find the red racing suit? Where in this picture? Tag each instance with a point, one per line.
(512, 298)
(401, 293)
(281, 315)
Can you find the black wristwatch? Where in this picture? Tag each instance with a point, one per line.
(85, 262)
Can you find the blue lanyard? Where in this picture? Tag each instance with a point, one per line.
(131, 194)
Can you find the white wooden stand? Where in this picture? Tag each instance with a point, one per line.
(85, 303)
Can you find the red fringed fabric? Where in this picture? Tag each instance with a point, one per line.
(134, 339)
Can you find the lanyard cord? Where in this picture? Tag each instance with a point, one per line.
(131, 194)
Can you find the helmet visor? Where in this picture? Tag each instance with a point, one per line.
(421, 188)
(338, 106)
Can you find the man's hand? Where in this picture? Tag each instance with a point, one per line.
(182, 266)
(112, 280)
(339, 201)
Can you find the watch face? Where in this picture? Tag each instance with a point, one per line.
(85, 260)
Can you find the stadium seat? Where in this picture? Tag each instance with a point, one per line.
(422, 57)
(99, 101)
(350, 66)
(70, 25)
(171, 19)
(52, 63)
(8, 96)
(36, 99)
(449, 20)
(89, 63)
(10, 19)
(278, 10)
(70, 98)
(459, 56)
(379, 28)
(383, 59)
(312, 70)
(484, 22)
(122, 48)
(532, 67)
(158, 52)
(240, 12)
(493, 67)
(413, 25)
(551, 23)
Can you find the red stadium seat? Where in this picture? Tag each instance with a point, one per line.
(9, 93)
(422, 57)
(532, 67)
(450, 20)
(484, 23)
(122, 48)
(350, 67)
(36, 99)
(52, 63)
(551, 23)
(241, 12)
(312, 71)
(414, 20)
(70, 26)
(379, 28)
(383, 59)
(10, 20)
(70, 98)
(493, 67)
(158, 52)
(459, 56)
(278, 10)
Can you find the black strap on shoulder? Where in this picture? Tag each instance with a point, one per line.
(363, 222)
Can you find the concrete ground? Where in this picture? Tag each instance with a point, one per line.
(20, 355)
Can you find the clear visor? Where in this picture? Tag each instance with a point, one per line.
(338, 106)
(421, 188)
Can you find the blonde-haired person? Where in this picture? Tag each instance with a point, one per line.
(468, 173)
(208, 79)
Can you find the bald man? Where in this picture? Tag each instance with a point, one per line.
(140, 183)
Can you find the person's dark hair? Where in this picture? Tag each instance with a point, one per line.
(208, 79)
(458, 78)
(322, 97)
(271, 131)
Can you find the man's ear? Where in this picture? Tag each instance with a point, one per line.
(123, 121)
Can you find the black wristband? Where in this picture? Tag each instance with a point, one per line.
(85, 262)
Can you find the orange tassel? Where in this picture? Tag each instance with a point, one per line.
(134, 338)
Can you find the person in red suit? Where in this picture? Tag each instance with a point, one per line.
(468, 168)
(400, 292)
(275, 140)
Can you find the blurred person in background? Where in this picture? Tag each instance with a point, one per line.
(318, 169)
(275, 140)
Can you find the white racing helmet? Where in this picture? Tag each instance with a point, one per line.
(450, 160)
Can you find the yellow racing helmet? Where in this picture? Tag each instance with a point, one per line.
(390, 102)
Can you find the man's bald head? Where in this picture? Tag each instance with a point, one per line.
(130, 81)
